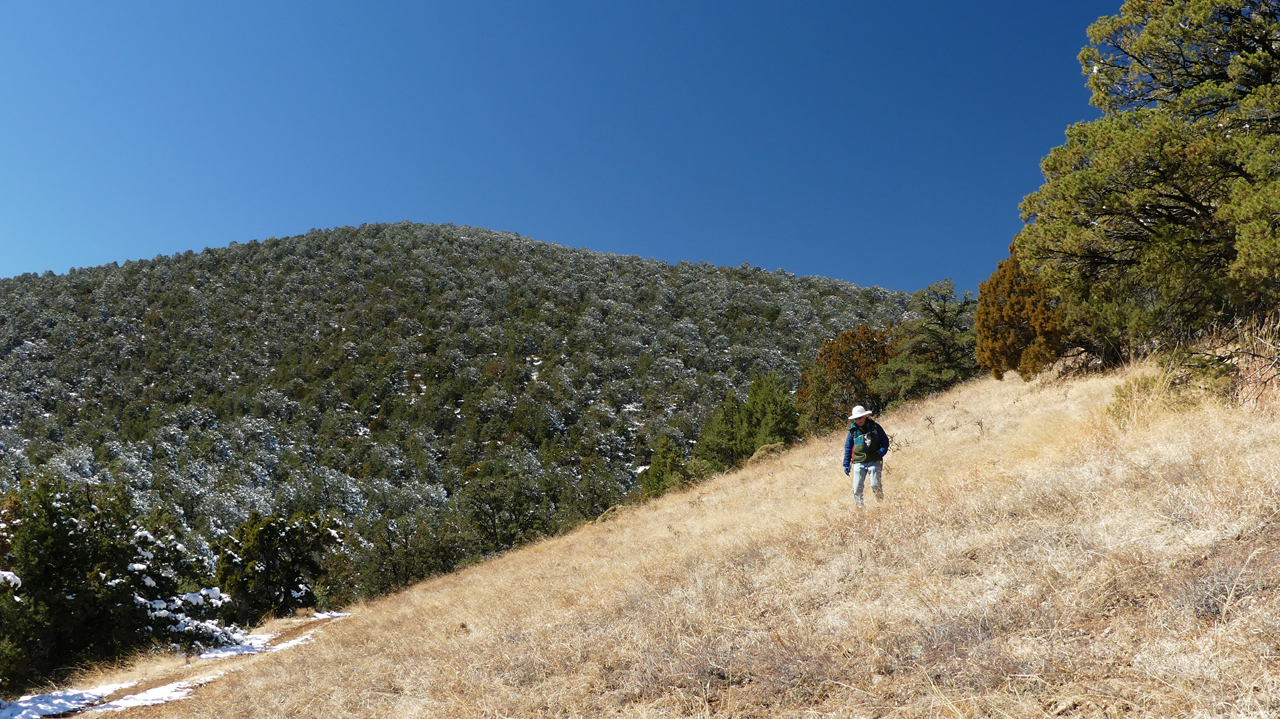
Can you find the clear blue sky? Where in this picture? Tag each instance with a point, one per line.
(883, 143)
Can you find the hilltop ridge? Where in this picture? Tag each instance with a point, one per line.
(1054, 547)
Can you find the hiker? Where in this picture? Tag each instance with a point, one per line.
(865, 447)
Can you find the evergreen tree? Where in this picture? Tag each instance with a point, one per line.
(666, 469)
(1016, 322)
(720, 444)
(933, 350)
(399, 546)
(505, 505)
(768, 416)
(93, 583)
(737, 429)
(815, 406)
(1157, 220)
(270, 565)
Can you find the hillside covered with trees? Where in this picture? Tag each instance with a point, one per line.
(372, 405)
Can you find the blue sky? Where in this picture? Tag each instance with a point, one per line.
(880, 143)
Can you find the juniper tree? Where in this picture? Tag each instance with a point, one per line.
(737, 428)
(721, 443)
(270, 565)
(96, 580)
(1017, 323)
(769, 414)
(666, 469)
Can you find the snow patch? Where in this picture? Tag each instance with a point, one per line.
(157, 695)
(77, 700)
(331, 615)
(43, 705)
(304, 639)
(250, 644)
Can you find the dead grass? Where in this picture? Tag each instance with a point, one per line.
(148, 670)
(1030, 559)
(1257, 352)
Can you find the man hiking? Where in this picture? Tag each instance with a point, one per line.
(866, 447)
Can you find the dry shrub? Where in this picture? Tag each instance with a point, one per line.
(1241, 361)
(1257, 356)
(1145, 396)
(1232, 578)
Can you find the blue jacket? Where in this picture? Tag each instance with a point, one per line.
(867, 443)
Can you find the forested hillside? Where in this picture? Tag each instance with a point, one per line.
(433, 393)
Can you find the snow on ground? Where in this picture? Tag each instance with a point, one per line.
(304, 639)
(76, 700)
(157, 695)
(251, 644)
(331, 615)
(30, 707)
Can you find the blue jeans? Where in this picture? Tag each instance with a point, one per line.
(863, 470)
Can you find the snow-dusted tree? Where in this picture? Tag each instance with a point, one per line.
(91, 581)
(270, 565)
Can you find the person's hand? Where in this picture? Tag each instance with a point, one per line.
(846, 471)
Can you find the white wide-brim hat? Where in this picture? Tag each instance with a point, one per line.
(859, 411)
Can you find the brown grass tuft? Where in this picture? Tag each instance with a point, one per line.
(1036, 555)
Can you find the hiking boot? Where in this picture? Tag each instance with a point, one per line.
(879, 494)
(859, 501)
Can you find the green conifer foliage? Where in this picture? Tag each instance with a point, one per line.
(1195, 58)
(932, 351)
(1157, 220)
(83, 564)
(1125, 233)
(1017, 324)
(737, 429)
(768, 416)
(400, 546)
(666, 469)
(270, 565)
(720, 445)
(504, 503)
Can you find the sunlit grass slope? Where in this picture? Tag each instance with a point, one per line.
(1031, 559)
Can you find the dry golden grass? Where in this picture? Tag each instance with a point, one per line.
(1030, 559)
(147, 670)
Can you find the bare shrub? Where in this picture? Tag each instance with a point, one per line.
(1257, 356)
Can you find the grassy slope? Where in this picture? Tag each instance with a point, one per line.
(1030, 560)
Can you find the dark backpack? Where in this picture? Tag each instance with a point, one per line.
(877, 439)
